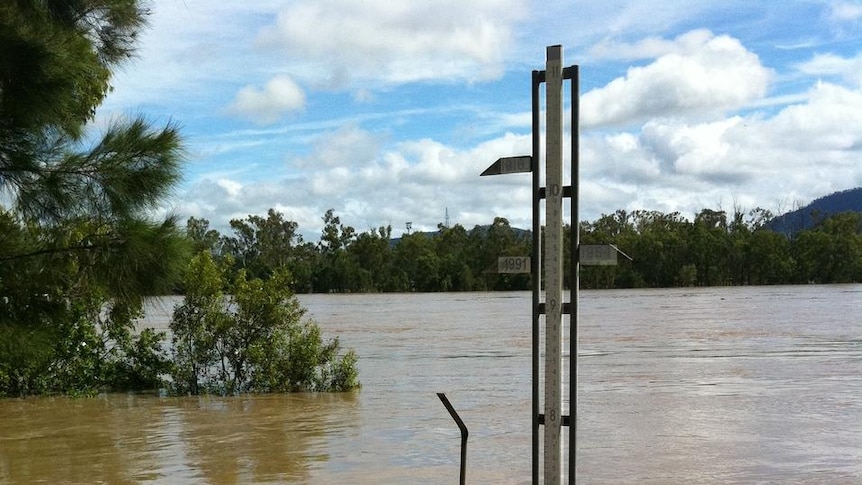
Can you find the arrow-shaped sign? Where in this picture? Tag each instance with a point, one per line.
(510, 165)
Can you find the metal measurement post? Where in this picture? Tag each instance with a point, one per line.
(553, 263)
(546, 264)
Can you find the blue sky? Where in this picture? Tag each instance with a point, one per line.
(387, 111)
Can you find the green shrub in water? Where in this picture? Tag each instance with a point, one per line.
(250, 338)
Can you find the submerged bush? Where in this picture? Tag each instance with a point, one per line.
(79, 347)
(251, 338)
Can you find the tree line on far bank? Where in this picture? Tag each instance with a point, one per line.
(667, 250)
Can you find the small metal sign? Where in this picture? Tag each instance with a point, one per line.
(510, 165)
(513, 264)
(598, 255)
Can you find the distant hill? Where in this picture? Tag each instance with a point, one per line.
(808, 216)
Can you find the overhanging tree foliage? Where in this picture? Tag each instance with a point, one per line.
(74, 226)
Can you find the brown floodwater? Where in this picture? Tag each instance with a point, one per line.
(683, 386)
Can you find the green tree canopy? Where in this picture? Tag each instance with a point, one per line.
(83, 195)
(75, 210)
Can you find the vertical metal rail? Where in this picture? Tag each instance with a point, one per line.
(574, 271)
(464, 434)
(535, 266)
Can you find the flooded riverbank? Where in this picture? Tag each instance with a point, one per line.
(715, 385)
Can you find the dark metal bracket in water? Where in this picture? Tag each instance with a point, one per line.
(464, 433)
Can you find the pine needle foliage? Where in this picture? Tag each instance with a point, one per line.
(79, 245)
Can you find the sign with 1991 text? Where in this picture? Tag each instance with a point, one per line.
(513, 264)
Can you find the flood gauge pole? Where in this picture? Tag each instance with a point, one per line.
(553, 262)
(551, 270)
(546, 265)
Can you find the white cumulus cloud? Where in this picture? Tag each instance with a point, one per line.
(801, 152)
(279, 96)
(699, 73)
(342, 40)
(832, 65)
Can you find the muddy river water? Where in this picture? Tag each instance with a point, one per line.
(682, 386)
